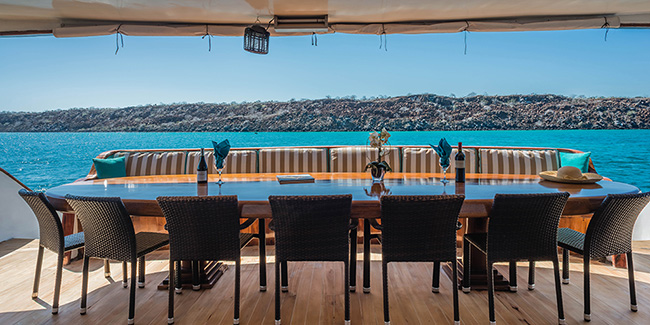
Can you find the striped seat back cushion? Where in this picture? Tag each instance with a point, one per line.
(153, 163)
(426, 160)
(522, 162)
(355, 159)
(293, 160)
(238, 161)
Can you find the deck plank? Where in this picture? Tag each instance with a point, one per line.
(315, 293)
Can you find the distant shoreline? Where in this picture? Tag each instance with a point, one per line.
(404, 113)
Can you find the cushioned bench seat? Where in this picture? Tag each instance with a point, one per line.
(354, 159)
(426, 160)
(238, 161)
(338, 159)
(521, 162)
(293, 160)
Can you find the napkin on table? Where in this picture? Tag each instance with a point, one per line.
(221, 151)
(443, 149)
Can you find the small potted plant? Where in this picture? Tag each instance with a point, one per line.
(379, 167)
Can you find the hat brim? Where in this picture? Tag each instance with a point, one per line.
(589, 178)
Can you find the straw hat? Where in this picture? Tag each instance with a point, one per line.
(569, 174)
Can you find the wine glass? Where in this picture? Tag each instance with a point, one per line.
(444, 164)
(219, 170)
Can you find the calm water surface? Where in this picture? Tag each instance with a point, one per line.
(44, 160)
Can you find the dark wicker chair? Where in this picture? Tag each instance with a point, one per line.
(203, 228)
(428, 236)
(52, 238)
(609, 233)
(109, 234)
(312, 228)
(521, 227)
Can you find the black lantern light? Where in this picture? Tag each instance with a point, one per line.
(256, 39)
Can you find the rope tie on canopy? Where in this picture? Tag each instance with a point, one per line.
(207, 33)
(385, 40)
(606, 26)
(118, 37)
(314, 39)
(465, 32)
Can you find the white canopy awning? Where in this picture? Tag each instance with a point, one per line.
(68, 18)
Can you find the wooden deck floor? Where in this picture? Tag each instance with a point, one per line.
(315, 294)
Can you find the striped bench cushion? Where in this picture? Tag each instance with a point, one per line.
(355, 159)
(524, 162)
(426, 160)
(293, 160)
(153, 163)
(238, 161)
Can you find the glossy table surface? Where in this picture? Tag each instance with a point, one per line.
(139, 193)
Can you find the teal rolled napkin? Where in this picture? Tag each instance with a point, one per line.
(443, 149)
(221, 151)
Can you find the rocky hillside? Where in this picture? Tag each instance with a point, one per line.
(413, 112)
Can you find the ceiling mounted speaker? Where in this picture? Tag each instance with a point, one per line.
(256, 39)
(301, 24)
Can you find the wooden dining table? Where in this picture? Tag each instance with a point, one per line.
(139, 194)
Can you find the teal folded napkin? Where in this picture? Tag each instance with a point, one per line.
(443, 149)
(221, 151)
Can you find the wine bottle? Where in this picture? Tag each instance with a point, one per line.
(202, 169)
(460, 164)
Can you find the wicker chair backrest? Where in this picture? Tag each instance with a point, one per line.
(202, 228)
(524, 226)
(419, 228)
(610, 228)
(311, 228)
(49, 225)
(108, 229)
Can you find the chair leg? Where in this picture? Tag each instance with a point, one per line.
(125, 277)
(170, 305)
(141, 272)
(237, 288)
(558, 292)
(196, 280)
(285, 276)
(513, 276)
(277, 292)
(384, 278)
(466, 266)
(177, 274)
(531, 275)
(37, 275)
(261, 236)
(366, 256)
(107, 269)
(454, 288)
(565, 266)
(630, 275)
(435, 283)
(84, 285)
(346, 280)
(490, 283)
(134, 270)
(57, 284)
(353, 259)
(587, 315)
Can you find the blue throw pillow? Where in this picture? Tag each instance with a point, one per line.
(111, 167)
(578, 160)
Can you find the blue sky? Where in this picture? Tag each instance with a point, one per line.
(44, 73)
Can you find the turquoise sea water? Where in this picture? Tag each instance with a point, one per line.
(44, 160)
